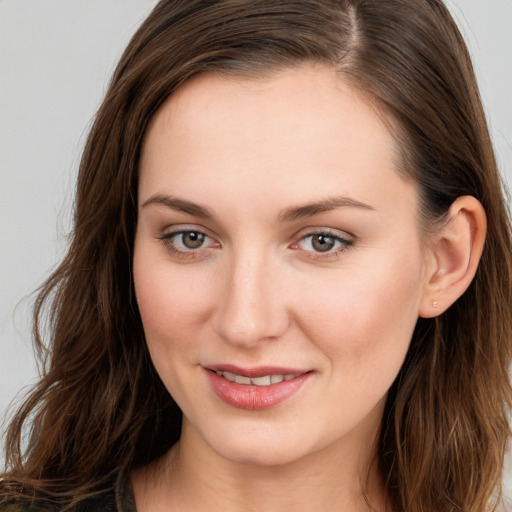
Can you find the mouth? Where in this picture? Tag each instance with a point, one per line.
(255, 388)
(264, 380)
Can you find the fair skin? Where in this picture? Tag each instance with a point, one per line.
(234, 269)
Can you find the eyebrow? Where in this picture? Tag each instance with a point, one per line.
(180, 205)
(311, 209)
(287, 215)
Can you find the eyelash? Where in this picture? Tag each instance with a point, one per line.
(167, 241)
(345, 244)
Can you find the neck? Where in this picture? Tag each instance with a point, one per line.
(194, 477)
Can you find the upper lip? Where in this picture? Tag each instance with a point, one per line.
(255, 371)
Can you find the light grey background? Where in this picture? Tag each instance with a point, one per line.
(56, 57)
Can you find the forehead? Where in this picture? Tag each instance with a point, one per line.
(295, 133)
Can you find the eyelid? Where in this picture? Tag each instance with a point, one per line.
(167, 235)
(177, 229)
(335, 233)
(346, 239)
(343, 237)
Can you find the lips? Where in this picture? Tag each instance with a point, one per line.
(255, 388)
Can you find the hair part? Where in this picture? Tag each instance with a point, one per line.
(100, 407)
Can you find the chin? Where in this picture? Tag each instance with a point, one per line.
(258, 455)
(260, 446)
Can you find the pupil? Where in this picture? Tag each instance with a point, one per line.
(323, 243)
(193, 240)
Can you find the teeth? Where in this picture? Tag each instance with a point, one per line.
(229, 376)
(239, 379)
(265, 380)
(262, 381)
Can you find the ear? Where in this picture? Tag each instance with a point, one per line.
(455, 252)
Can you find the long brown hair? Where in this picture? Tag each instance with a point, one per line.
(100, 407)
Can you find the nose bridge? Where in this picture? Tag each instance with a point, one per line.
(250, 309)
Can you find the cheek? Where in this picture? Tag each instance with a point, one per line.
(171, 303)
(165, 306)
(364, 318)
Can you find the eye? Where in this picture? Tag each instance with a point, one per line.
(323, 243)
(187, 242)
(190, 239)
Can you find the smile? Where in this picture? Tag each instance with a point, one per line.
(257, 388)
(265, 380)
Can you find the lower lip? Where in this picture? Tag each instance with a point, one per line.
(246, 396)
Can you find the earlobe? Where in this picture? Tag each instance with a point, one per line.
(455, 253)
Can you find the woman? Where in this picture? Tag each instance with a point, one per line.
(289, 219)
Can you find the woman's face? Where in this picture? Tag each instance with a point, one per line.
(278, 247)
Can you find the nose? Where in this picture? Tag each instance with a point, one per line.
(252, 306)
